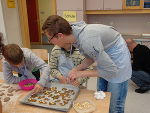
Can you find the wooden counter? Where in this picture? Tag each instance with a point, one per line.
(102, 106)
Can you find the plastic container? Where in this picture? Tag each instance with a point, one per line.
(27, 84)
(84, 106)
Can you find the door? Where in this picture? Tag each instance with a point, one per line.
(33, 21)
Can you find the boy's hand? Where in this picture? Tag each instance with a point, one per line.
(62, 79)
(75, 83)
(72, 74)
(37, 88)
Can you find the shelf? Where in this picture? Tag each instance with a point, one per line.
(132, 11)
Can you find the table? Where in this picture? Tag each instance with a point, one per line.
(42, 53)
(17, 107)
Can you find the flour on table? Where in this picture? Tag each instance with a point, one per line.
(9, 93)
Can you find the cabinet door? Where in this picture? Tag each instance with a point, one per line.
(112, 4)
(94, 5)
(70, 5)
(146, 3)
(133, 4)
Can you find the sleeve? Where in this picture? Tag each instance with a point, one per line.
(85, 79)
(93, 47)
(77, 59)
(8, 74)
(42, 66)
(54, 63)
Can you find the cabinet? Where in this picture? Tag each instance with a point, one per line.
(70, 5)
(133, 4)
(94, 4)
(118, 7)
(146, 3)
(103, 4)
(113, 4)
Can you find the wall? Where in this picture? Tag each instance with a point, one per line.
(2, 25)
(127, 23)
(12, 23)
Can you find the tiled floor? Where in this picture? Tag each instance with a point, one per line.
(135, 102)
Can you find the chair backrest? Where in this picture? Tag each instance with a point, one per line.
(1, 65)
(42, 53)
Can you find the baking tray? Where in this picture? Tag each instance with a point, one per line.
(55, 96)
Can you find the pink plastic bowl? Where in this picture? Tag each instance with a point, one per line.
(23, 84)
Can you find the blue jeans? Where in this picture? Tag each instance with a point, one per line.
(141, 78)
(118, 94)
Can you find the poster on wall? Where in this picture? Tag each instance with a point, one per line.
(11, 4)
(70, 16)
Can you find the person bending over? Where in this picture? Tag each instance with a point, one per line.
(101, 44)
(140, 65)
(23, 61)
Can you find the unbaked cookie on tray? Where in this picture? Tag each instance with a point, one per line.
(55, 96)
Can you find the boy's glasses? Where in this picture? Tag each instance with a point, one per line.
(50, 38)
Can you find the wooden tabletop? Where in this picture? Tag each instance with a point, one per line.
(42, 53)
(102, 106)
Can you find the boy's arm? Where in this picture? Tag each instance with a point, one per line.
(79, 60)
(82, 80)
(8, 75)
(109, 69)
(85, 79)
(84, 64)
(54, 64)
(40, 64)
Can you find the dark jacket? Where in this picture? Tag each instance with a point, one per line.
(141, 58)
